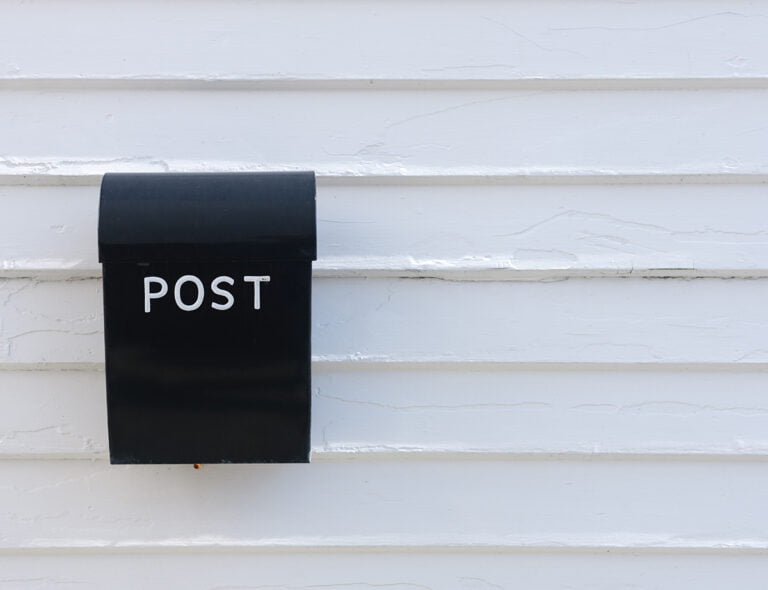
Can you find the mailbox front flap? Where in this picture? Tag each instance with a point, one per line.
(207, 216)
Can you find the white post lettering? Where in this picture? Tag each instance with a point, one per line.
(219, 291)
(149, 295)
(200, 292)
(256, 289)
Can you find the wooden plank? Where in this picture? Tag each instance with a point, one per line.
(480, 505)
(395, 320)
(55, 413)
(462, 232)
(447, 411)
(58, 233)
(383, 571)
(429, 39)
(450, 131)
(619, 411)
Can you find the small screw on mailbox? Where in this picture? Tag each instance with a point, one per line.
(207, 295)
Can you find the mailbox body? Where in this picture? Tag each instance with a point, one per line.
(207, 298)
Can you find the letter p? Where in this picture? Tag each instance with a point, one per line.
(149, 295)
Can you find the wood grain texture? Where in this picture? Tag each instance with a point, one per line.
(54, 505)
(395, 320)
(428, 39)
(392, 131)
(411, 570)
(506, 421)
(444, 411)
(472, 232)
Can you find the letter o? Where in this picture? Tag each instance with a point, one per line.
(200, 292)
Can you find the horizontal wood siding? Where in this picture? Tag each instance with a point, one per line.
(405, 320)
(359, 570)
(584, 504)
(540, 338)
(460, 410)
(467, 231)
(472, 131)
(427, 39)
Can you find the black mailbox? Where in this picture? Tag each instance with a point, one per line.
(207, 282)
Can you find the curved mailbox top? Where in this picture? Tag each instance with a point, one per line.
(207, 216)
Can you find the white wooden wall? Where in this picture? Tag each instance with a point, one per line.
(572, 395)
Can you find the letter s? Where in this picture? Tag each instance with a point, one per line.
(219, 291)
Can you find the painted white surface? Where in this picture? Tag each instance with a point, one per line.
(456, 231)
(486, 503)
(491, 426)
(428, 39)
(450, 410)
(407, 570)
(405, 320)
(389, 131)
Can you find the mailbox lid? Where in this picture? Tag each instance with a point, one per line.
(207, 216)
